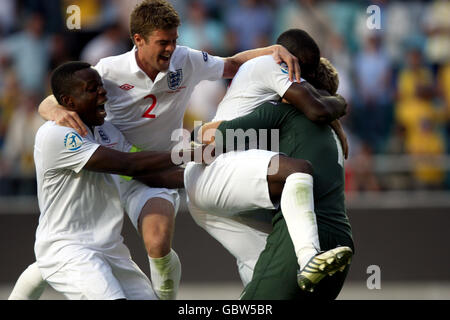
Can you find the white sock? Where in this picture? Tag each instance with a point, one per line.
(297, 205)
(30, 285)
(165, 274)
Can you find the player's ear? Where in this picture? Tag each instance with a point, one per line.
(138, 40)
(67, 102)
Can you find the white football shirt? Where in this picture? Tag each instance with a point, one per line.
(148, 112)
(79, 208)
(258, 80)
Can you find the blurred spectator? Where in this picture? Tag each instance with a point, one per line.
(372, 64)
(18, 171)
(9, 95)
(95, 15)
(7, 16)
(29, 51)
(111, 42)
(360, 168)
(250, 24)
(201, 32)
(60, 52)
(444, 84)
(372, 110)
(360, 174)
(124, 9)
(341, 15)
(52, 11)
(437, 28)
(415, 95)
(342, 61)
(396, 146)
(425, 148)
(417, 114)
(308, 16)
(444, 88)
(397, 34)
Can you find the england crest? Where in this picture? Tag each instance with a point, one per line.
(174, 79)
(104, 136)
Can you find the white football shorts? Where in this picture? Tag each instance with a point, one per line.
(234, 182)
(242, 241)
(134, 195)
(93, 275)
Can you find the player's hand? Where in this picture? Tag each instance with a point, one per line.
(337, 127)
(281, 54)
(70, 119)
(344, 103)
(200, 153)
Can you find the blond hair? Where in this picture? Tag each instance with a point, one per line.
(152, 15)
(326, 76)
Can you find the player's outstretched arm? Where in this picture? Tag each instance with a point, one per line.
(49, 109)
(279, 53)
(172, 178)
(129, 164)
(317, 106)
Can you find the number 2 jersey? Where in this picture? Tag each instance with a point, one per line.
(148, 112)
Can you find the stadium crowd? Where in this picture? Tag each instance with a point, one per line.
(396, 79)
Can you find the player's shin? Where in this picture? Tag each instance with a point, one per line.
(297, 205)
(165, 275)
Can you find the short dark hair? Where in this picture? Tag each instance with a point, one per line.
(62, 78)
(302, 45)
(152, 15)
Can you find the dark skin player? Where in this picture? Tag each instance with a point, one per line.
(87, 97)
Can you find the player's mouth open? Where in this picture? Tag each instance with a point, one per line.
(165, 58)
(101, 110)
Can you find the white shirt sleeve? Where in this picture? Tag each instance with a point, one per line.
(122, 144)
(63, 148)
(205, 66)
(275, 77)
(99, 68)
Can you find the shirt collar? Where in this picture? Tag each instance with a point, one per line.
(133, 63)
(135, 67)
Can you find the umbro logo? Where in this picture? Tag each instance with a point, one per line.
(126, 87)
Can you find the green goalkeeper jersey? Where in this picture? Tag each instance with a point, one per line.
(303, 139)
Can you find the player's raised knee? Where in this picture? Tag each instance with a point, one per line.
(304, 166)
(291, 165)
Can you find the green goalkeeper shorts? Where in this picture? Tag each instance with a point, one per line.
(275, 275)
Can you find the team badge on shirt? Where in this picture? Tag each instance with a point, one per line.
(104, 136)
(174, 79)
(73, 141)
(205, 56)
(284, 68)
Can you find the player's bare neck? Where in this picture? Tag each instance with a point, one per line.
(147, 68)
